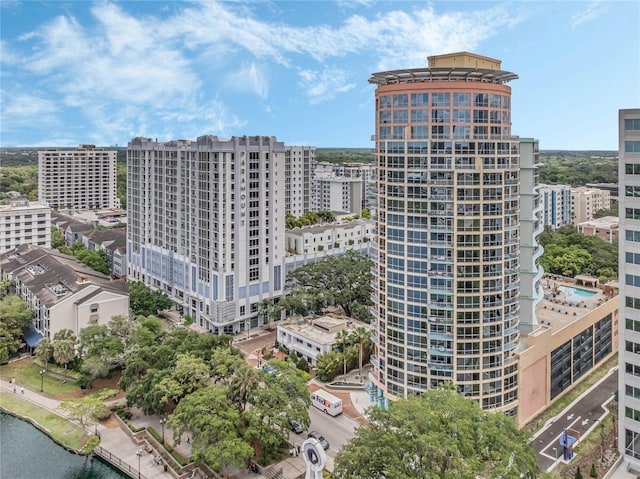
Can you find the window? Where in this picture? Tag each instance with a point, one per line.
(632, 146)
(419, 116)
(631, 235)
(632, 213)
(632, 124)
(631, 302)
(419, 99)
(632, 280)
(385, 102)
(400, 116)
(461, 99)
(400, 100)
(632, 168)
(440, 99)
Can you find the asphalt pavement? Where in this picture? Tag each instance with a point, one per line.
(581, 417)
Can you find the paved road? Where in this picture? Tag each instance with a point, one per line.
(582, 415)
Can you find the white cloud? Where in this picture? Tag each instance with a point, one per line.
(26, 108)
(323, 85)
(125, 73)
(249, 78)
(594, 9)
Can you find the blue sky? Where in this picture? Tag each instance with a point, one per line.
(75, 72)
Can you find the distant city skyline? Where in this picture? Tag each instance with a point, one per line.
(105, 72)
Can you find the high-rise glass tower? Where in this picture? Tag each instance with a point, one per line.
(447, 282)
(629, 274)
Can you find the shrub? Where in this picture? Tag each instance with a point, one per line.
(103, 394)
(91, 444)
(593, 472)
(124, 414)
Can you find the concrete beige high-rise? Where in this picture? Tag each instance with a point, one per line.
(84, 178)
(448, 251)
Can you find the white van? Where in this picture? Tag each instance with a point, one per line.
(326, 402)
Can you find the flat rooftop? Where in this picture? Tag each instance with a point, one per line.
(565, 303)
(321, 330)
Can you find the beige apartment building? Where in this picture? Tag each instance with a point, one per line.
(83, 178)
(586, 201)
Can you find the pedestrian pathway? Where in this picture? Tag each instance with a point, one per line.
(113, 440)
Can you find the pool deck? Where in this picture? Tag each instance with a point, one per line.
(558, 310)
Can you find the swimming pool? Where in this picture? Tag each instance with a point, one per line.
(576, 294)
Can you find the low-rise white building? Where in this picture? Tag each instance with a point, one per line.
(331, 236)
(62, 292)
(24, 222)
(311, 337)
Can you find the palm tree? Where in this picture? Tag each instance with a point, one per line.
(44, 351)
(360, 336)
(343, 337)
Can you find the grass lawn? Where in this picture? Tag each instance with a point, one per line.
(59, 428)
(27, 374)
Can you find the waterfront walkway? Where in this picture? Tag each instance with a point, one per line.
(113, 440)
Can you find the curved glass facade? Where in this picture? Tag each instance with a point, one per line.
(447, 279)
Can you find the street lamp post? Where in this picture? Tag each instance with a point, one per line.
(162, 421)
(555, 451)
(42, 380)
(139, 454)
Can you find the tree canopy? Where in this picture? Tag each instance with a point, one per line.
(146, 301)
(243, 415)
(438, 435)
(570, 253)
(343, 280)
(15, 316)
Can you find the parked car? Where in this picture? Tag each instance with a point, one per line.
(320, 438)
(296, 426)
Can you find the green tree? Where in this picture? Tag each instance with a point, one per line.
(44, 351)
(15, 316)
(206, 413)
(64, 347)
(361, 337)
(328, 365)
(86, 411)
(593, 472)
(439, 435)
(5, 287)
(94, 368)
(366, 214)
(342, 338)
(145, 301)
(243, 416)
(578, 474)
(344, 280)
(57, 238)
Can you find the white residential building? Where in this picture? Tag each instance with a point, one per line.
(78, 179)
(556, 205)
(338, 194)
(328, 237)
(629, 274)
(299, 169)
(586, 201)
(23, 222)
(311, 337)
(62, 292)
(206, 224)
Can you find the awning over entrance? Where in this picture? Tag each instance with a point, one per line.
(31, 336)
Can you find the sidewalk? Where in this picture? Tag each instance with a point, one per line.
(112, 439)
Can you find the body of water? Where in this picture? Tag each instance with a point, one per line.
(576, 294)
(28, 453)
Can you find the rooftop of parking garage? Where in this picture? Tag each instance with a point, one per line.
(565, 302)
